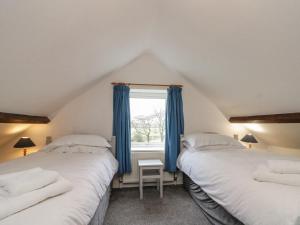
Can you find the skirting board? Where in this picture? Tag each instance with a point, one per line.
(118, 184)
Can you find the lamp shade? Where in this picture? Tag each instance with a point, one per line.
(24, 142)
(249, 138)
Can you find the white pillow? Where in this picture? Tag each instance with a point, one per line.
(87, 149)
(75, 149)
(81, 139)
(201, 140)
(217, 147)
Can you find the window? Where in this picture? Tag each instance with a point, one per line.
(147, 109)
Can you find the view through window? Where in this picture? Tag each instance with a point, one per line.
(147, 109)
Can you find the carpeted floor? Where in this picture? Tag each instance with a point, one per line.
(176, 208)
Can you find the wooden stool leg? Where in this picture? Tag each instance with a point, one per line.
(161, 182)
(141, 183)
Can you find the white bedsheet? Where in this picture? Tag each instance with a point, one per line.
(227, 177)
(90, 175)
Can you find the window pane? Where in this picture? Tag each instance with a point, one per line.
(147, 119)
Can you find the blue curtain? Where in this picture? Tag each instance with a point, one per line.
(174, 127)
(121, 127)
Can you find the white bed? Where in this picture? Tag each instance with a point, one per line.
(90, 175)
(226, 176)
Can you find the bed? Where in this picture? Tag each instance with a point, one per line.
(220, 181)
(90, 173)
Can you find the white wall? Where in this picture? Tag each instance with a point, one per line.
(284, 151)
(284, 135)
(36, 132)
(91, 112)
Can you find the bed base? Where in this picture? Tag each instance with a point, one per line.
(215, 213)
(98, 218)
(99, 215)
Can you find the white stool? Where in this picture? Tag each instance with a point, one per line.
(151, 169)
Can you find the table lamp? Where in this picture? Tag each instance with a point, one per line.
(249, 138)
(24, 142)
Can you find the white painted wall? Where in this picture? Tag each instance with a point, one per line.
(91, 112)
(284, 151)
(285, 135)
(36, 132)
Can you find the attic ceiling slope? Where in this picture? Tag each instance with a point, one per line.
(51, 50)
(244, 55)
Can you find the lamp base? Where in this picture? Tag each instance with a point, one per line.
(250, 145)
(24, 152)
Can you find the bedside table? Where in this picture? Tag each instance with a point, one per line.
(151, 169)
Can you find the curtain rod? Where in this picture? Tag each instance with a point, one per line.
(153, 85)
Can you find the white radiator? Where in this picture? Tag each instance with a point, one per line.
(133, 178)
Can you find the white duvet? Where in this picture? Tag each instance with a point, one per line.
(90, 175)
(227, 177)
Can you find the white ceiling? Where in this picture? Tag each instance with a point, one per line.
(51, 50)
(244, 55)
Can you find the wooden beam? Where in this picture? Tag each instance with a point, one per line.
(19, 118)
(273, 118)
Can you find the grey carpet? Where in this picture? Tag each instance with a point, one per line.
(176, 208)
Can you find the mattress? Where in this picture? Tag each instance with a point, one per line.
(90, 175)
(226, 176)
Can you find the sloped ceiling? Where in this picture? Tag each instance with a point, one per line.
(51, 50)
(244, 55)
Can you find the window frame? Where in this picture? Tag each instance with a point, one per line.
(140, 93)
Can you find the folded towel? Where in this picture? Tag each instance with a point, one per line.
(10, 205)
(263, 174)
(284, 166)
(25, 181)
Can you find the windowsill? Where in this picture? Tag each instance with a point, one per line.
(147, 149)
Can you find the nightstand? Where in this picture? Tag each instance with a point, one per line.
(151, 169)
